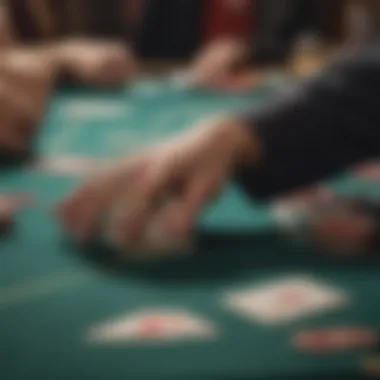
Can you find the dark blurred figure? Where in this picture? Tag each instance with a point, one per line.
(175, 28)
(362, 20)
(143, 29)
(155, 28)
(253, 34)
(26, 79)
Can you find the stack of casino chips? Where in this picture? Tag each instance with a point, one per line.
(345, 225)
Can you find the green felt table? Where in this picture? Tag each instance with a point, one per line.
(51, 293)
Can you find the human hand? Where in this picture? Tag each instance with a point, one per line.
(217, 62)
(97, 63)
(190, 170)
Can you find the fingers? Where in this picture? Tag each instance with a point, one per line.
(138, 204)
(197, 195)
(128, 198)
(174, 217)
(31, 74)
(218, 61)
(97, 63)
(82, 213)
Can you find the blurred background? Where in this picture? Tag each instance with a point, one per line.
(229, 46)
(293, 33)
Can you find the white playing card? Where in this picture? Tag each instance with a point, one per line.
(286, 300)
(153, 325)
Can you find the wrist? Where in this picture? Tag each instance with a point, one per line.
(59, 51)
(243, 144)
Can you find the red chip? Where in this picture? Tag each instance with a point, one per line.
(339, 339)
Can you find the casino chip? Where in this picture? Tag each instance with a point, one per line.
(335, 340)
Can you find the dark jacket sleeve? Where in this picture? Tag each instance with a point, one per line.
(319, 128)
(278, 24)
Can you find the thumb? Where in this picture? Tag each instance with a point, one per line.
(200, 190)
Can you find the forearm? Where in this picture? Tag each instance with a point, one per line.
(319, 129)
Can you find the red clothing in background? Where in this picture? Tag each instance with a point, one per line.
(228, 18)
(133, 13)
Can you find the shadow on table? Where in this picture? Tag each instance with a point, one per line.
(222, 254)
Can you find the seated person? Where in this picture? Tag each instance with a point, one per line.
(82, 55)
(246, 32)
(26, 81)
(103, 64)
(134, 28)
(167, 30)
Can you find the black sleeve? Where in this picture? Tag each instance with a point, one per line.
(320, 127)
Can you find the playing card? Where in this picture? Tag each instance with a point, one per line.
(285, 300)
(66, 165)
(152, 326)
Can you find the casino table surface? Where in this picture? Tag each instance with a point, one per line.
(52, 293)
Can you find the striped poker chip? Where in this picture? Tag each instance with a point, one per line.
(335, 340)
